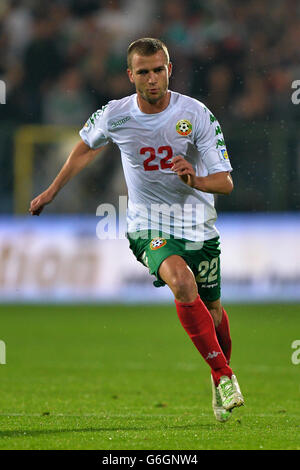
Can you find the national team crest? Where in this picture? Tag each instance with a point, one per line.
(184, 127)
(157, 243)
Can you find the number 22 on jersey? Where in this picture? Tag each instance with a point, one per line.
(150, 164)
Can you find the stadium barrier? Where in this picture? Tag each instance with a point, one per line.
(60, 259)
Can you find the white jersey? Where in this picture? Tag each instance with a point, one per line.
(157, 198)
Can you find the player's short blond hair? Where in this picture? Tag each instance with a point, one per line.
(146, 47)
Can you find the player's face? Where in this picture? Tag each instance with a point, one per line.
(150, 75)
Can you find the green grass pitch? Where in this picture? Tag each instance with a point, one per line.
(128, 377)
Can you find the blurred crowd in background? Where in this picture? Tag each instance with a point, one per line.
(62, 59)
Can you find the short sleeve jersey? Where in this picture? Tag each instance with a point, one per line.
(157, 198)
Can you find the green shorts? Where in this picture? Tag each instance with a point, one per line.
(204, 260)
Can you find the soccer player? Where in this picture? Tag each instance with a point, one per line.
(174, 160)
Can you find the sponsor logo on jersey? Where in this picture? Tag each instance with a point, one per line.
(184, 127)
(157, 243)
(120, 122)
(224, 154)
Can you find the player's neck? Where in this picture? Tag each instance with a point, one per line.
(158, 107)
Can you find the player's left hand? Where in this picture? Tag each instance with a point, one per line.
(184, 170)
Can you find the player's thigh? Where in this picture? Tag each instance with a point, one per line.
(163, 256)
(178, 275)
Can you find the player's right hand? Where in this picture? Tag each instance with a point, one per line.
(38, 203)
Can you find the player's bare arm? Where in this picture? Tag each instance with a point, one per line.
(217, 183)
(78, 159)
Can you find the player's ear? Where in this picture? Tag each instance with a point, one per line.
(170, 67)
(130, 75)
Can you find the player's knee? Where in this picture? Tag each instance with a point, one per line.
(183, 286)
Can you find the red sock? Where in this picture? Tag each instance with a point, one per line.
(199, 325)
(223, 335)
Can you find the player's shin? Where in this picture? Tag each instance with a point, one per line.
(198, 323)
(223, 335)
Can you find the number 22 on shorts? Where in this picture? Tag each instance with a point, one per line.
(208, 271)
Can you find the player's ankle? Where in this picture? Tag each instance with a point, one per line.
(223, 371)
